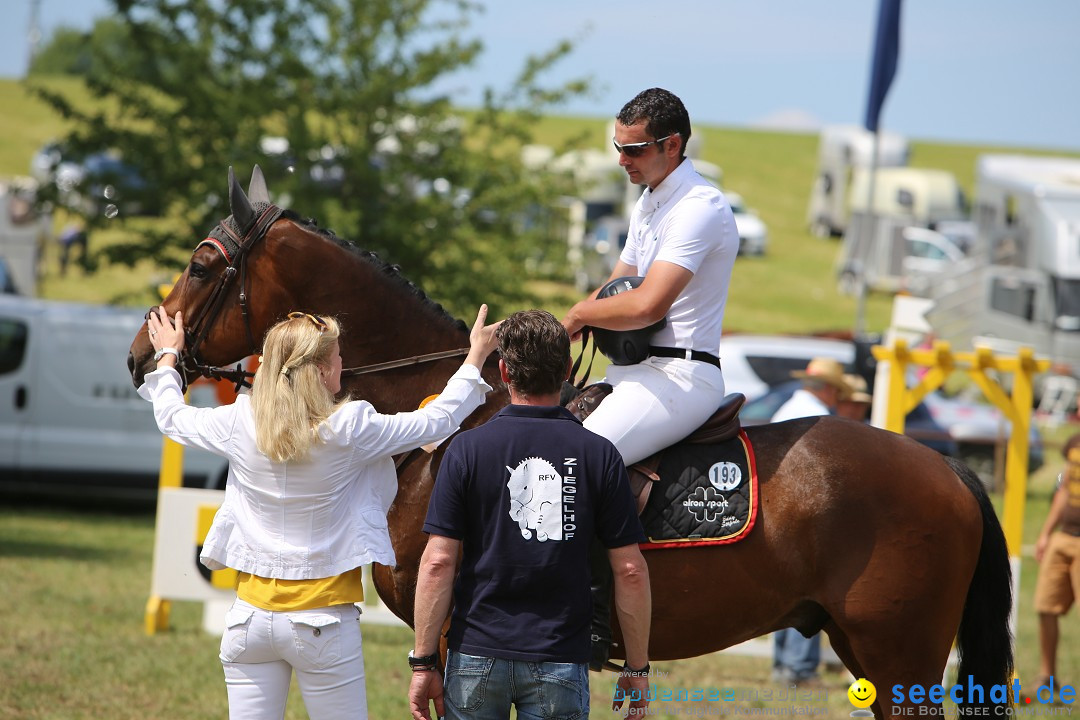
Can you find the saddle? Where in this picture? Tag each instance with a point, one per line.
(722, 425)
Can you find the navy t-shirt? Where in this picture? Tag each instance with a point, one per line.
(525, 493)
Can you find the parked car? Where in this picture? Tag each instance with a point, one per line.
(94, 183)
(754, 363)
(978, 429)
(928, 256)
(600, 251)
(919, 425)
(753, 235)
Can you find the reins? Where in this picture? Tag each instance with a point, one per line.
(405, 362)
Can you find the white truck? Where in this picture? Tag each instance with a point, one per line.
(23, 232)
(842, 151)
(70, 420)
(1021, 286)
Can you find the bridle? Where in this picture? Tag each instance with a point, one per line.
(235, 247)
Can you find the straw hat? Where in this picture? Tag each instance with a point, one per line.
(824, 370)
(856, 389)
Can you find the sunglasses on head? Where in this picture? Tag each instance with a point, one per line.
(315, 320)
(637, 149)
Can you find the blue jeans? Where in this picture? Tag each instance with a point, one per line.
(795, 656)
(484, 688)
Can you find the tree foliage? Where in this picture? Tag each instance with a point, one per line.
(374, 149)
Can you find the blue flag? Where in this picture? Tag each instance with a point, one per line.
(886, 50)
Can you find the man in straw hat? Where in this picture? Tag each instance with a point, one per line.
(856, 403)
(796, 658)
(822, 388)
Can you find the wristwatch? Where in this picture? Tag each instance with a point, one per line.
(424, 661)
(166, 351)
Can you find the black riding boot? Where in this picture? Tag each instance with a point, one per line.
(602, 580)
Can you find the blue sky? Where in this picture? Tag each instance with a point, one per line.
(971, 71)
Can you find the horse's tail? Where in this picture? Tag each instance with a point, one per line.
(984, 642)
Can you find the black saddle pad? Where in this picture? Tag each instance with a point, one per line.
(706, 495)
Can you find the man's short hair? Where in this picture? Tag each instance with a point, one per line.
(536, 349)
(663, 113)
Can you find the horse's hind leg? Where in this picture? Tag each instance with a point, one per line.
(902, 654)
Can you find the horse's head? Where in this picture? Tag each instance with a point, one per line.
(223, 324)
(263, 262)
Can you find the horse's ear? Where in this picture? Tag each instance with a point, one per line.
(239, 204)
(257, 191)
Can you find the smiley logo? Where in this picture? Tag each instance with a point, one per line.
(862, 693)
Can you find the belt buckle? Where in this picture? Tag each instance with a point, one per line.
(689, 354)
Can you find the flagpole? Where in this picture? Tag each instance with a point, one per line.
(868, 239)
(882, 71)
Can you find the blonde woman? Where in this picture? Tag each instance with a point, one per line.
(310, 482)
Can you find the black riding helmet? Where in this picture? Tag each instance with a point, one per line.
(625, 347)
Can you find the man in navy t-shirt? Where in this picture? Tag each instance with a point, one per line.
(520, 499)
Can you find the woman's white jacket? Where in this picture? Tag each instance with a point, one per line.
(319, 517)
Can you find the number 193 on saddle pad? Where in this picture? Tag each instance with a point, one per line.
(706, 495)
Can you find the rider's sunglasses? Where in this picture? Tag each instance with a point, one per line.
(315, 320)
(635, 150)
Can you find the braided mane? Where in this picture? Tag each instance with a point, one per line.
(386, 268)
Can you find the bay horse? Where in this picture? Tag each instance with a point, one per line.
(890, 548)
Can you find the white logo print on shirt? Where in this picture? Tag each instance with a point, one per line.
(535, 499)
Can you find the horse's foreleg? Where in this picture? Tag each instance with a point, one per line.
(842, 646)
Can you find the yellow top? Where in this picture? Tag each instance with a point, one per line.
(285, 595)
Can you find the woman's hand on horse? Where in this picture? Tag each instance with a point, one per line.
(165, 332)
(482, 338)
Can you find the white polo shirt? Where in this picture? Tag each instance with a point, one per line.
(687, 221)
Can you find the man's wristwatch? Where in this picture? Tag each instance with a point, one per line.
(631, 672)
(166, 351)
(425, 662)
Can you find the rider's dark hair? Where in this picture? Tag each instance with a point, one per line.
(536, 349)
(663, 113)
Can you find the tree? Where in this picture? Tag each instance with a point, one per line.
(336, 100)
(73, 52)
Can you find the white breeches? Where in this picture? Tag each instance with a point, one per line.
(655, 404)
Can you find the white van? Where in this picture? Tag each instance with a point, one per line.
(70, 420)
(1022, 287)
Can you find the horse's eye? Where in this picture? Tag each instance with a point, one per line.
(197, 270)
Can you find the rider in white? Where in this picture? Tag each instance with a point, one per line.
(683, 240)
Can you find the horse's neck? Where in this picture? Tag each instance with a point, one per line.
(386, 319)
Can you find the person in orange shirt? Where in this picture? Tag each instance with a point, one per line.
(1058, 553)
